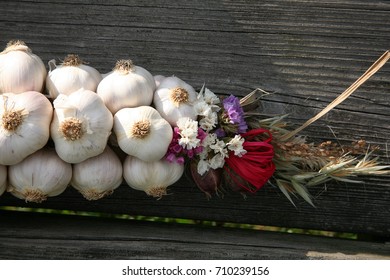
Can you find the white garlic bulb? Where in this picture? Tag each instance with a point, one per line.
(39, 176)
(142, 132)
(126, 86)
(158, 79)
(175, 99)
(151, 177)
(3, 178)
(24, 125)
(81, 126)
(98, 176)
(20, 69)
(71, 76)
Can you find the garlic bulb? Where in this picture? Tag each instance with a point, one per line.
(158, 79)
(151, 177)
(20, 69)
(126, 86)
(39, 176)
(142, 132)
(98, 176)
(3, 178)
(71, 76)
(24, 125)
(174, 99)
(81, 126)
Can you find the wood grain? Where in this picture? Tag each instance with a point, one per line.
(306, 52)
(75, 237)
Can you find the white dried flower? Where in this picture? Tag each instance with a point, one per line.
(184, 123)
(189, 143)
(235, 145)
(203, 166)
(188, 132)
(202, 108)
(210, 98)
(219, 147)
(209, 121)
(210, 139)
(217, 161)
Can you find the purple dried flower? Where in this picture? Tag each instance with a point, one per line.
(190, 153)
(170, 157)
(198, 150)
(220, 133)
(180, 160)
(201, 134)
(176, 148)
(235, 113)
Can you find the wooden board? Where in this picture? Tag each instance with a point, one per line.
(306, 52)
(42, 236)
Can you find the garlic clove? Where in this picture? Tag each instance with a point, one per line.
(107, 175)
(142, 132)
(175, 99)
(73, 74)
(151, 177)
(158, 79)
(81, 126)
(20, 69)
(24, 125)
(127, 86)
(39, 176)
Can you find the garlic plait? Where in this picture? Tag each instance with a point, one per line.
(20, 69)
(24, 125)
(3, 178)
(73, 74)
(175, 99)
(81, 126)
(39, 176)
(126, 86)
(98, 176)
(151, 177)
(142, 132)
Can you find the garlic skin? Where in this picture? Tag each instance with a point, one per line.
(81, 126)
(158, 79)
(41, 175)
(3, 178)
(142, 132)
(126, 86)
(71, 76)
(151, 177)
(174, 99)
(98, 176)
(24, 125)
(20, 69)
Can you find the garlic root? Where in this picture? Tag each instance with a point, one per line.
(93, 194)
(12, 119)
(71, 129)
(36, 196)
(157, 192)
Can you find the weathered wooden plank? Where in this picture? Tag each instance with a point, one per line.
(347, 208)
(73, 237)
(305, 51)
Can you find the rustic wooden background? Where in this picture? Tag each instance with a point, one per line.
(305, 52)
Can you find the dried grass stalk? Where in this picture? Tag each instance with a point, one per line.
(300, 165)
